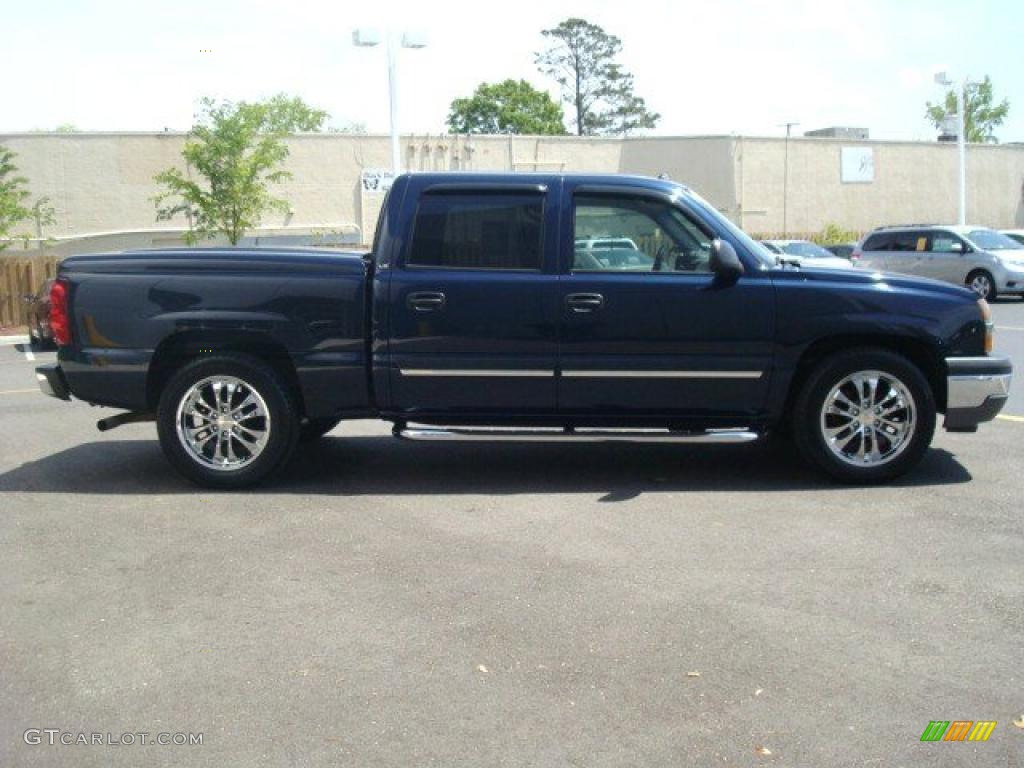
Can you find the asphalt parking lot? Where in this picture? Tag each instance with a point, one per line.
(392, 604)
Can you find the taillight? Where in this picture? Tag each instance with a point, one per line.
(60, 323)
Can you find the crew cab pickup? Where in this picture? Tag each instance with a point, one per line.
(523, 307)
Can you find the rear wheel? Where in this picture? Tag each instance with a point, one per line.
(865, 415)
(981, 283)
(227, 421)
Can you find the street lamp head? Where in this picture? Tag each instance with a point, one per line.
(365, 37)
(414, 40)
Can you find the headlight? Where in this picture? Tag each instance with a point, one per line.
(990, 326)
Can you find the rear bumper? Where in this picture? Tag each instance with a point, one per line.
(52, 382)
(976, 390)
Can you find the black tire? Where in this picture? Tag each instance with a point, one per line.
(809, 421)
(314, 429)
(982, 277)
(281, 420)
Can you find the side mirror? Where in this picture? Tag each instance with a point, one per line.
(724, 262)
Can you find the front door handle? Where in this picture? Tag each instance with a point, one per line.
(584, 302)
(425, 301)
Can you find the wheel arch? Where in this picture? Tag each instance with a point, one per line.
(182, 348)
(925, 356)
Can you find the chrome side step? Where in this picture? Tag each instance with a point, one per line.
(546, 435)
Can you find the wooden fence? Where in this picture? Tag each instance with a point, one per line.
(19, 277)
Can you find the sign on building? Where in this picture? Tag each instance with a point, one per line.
(857, 165)
(378, 181)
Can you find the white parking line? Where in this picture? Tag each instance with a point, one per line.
(1008, 417)
(19, 391)
(1008, 328)
(29, 355)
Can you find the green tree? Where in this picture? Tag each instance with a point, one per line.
(290, 114)
(236, 150)
(581, 59)
(511, 106)
(981, 117)
(13, 196)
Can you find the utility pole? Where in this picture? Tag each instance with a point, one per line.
(941, 78)
(785, 180)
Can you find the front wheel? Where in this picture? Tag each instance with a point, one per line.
(227, 421)
(864, 416)
(981, 283)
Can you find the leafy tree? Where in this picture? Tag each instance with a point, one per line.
(290, 114)
(981, 118)
(237, 150)
(511, 106)
(13, 195)
(581, 59)
(627, 112)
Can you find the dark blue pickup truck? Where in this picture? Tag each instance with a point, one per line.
(523, 307)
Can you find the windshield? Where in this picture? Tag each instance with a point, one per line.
(755, 248)
(807, 250)
(990, 240)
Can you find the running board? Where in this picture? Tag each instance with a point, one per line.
(468, 434)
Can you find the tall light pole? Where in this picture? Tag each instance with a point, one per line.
(941, 78)
(368, 38)
(785, 179)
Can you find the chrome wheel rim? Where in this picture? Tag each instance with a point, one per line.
(981, 285)
(223, 423)
(868, 418)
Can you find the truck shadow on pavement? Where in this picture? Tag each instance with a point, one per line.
(372, 465)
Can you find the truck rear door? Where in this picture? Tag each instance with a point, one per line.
(472, 309)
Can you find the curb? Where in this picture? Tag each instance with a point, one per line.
(6, 341)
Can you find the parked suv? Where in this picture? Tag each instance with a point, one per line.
(988, 262)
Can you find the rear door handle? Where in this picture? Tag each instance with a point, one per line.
(425, 301)
(584, 302)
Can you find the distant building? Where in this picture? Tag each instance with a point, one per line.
(101, 184)
(839, 132)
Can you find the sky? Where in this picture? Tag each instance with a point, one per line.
(708, 67)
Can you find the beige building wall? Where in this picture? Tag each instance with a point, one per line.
(103, 182)
(704, 163)
(914, 182)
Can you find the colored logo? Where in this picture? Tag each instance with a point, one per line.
(958, 730)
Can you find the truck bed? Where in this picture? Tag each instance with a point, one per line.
(135, 308)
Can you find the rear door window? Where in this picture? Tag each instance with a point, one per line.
(478, 231)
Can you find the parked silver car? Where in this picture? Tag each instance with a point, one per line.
(982, 259)
(806, 254)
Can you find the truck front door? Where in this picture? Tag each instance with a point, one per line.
(646, 328)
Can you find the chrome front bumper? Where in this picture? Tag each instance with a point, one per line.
(976, 390)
